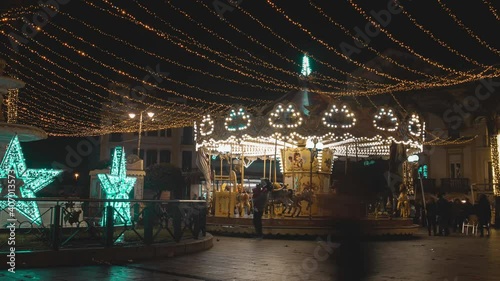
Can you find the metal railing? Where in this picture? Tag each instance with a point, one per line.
(455, 185)
(101, 223)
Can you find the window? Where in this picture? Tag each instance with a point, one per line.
(162, 133)
(187, 157)
(164, 156)
(151, 157)
(169, 133)
(187, 135)
(455, 164)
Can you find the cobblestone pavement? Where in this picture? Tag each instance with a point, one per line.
(424, 258)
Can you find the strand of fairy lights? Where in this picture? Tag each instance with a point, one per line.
(250, 54)
(84, 54)
(260, 77)
(88, 97)
(164, 77)
(224, 55)
(118, 15)
(334, 50)
(81, 77)
(403, 45)
(54, 82)
(349, 33)
(73, 107)
(180, 111)
(169, 60)
(492, 9)
(288, 43)
(466, 29)
(439, 41)
(200, 24)
(255, 60)
(475, 76)
(183, 47)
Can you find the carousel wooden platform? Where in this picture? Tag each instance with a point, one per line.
(305, 226)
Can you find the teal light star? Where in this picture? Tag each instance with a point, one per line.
(117, 185)
(17, 181)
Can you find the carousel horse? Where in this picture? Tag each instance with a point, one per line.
(306, 195)
(243, 201)
(404, 202)
(280, 197)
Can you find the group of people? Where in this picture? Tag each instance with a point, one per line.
(443, 214)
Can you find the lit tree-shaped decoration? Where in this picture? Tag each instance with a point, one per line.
(117, 185)
(282, 117)
(306, 67)
(414, 125)
(27, 182)
(237, 120)
(339, 117)
(385, 120)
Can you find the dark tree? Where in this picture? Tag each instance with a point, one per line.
(164, 177)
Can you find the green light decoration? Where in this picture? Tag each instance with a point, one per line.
(117, 185)
(306, 67)
(27, 182)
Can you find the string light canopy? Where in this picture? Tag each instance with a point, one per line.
(20, 182)
(65, 102)
(302, 116)
(117, 185)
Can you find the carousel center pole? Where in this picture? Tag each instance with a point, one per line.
(242, 170)
(275, 159)
(270, 168)
(265, 164)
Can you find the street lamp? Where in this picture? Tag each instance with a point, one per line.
(76, 175)
(314, 146)
(132, 116)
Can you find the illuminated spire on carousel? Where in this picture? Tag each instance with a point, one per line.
(306, 67)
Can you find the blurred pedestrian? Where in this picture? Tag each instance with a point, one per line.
(443, 215)
(457, 217)
(483, 211)
(431, 214)
(259, 199)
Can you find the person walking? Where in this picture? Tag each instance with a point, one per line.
(431, 214)
(443, 214)
(259, 199)
(457, 217)
(483, 211)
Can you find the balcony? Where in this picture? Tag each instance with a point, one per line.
(460, 185)
(448, 185)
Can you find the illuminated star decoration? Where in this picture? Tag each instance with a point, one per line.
(27, 182)
(117, 185)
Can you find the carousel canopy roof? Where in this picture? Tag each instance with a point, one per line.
(306, 114)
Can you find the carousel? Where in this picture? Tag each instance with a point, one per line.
(296, 141)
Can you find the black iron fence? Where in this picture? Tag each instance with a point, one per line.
(73, 223)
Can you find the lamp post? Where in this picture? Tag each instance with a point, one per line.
(314, 146)
(76, 175)
(132, 116)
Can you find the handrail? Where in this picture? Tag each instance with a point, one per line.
(107, 225)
